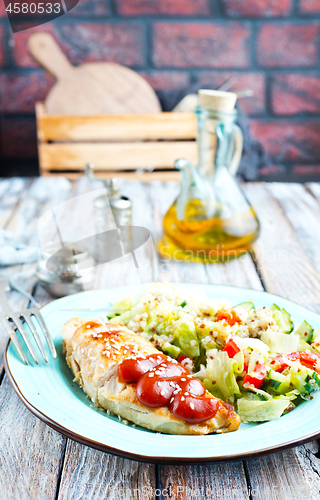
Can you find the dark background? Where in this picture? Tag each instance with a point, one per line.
(272, 46)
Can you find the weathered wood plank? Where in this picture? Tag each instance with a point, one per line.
(11, 191)
(308, 458)
(4, 184)
(94, 475)
(140, 176)
(286, 475)
(303, 212)
(30, 451)
(116, 127)
(43, 195)
(204, 482)
(240, 273)
(283, 262)
(314, 188)
(114, 156)
(286, 270)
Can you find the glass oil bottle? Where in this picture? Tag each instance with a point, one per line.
(211, 220)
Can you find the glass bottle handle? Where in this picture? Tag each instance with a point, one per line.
(234, 165)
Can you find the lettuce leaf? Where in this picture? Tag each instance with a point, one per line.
(301, 378)
(260, 411)
(281, 342)
(222, 371)
(122, 306)
(186, 338)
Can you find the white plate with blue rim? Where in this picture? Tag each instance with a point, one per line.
(49, 392)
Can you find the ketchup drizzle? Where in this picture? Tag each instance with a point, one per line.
(163, 382)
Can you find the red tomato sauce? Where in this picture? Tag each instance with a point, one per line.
(163, 382)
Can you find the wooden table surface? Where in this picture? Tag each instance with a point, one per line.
(38, 463)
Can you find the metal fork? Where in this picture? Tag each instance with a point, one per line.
(13, 322)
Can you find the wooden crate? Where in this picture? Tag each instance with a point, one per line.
(118, 145)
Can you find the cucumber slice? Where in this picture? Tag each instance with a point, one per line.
(287, 320)
(308, 388)
(312, 383)
(274, 384)
(273, 375)
(279, 320)
(303, 345)
(300, 378)
(282, 318)
(279, 383)
(247, 306)
(305, 331)
(316, 378)
(274, 307)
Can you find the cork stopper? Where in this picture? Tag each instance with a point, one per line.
(217, 99)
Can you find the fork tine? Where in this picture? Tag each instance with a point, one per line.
(13, 336)
(16, 319)
(45, 330)
(28, 320)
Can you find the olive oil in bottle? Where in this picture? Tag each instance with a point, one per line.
(211, 220)
(211, 240)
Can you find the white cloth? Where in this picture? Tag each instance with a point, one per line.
(14, 251)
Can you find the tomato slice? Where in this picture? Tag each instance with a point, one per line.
(281, 364)
(308, 359)
(257, 377)
(231, 348)
(229, 316)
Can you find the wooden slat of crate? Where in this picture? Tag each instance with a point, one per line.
(113, 156)
(67, 143)
(163, 176)
(114, 128)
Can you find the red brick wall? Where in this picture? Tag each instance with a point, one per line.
(271, 46)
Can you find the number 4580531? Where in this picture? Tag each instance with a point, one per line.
(33, 8)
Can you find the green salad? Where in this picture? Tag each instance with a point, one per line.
(256, 359)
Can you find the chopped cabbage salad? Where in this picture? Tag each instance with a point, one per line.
(256, 359)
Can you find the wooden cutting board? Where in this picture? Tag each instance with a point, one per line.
(93, 88)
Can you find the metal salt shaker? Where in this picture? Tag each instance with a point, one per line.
(120, 214)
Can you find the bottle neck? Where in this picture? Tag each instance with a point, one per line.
(215, 139)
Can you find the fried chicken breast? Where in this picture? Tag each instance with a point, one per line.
(93, 352)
